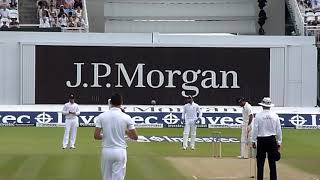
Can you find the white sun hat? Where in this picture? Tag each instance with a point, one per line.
(266, 102)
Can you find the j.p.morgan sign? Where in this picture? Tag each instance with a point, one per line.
(165, 74)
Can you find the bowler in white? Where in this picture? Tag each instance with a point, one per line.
(71, 112)
(191, 114)
(246, 128)
(111, 127)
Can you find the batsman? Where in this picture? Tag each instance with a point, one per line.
(246, 127)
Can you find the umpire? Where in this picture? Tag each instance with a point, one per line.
(267, 137)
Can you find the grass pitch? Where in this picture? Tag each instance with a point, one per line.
(35, 154)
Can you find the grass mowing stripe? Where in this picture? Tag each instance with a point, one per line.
(4, 160)
(9, 169)
(30, 168)
(70, 166)
(90, 167)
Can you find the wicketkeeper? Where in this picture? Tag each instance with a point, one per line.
(191, 116)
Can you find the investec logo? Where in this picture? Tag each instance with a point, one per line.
(43, 118)
(155, 78)
(299, 120)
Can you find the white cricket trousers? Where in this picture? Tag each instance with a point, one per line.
(245, 141)
(70, 130)
(189, 128)
(113, 163)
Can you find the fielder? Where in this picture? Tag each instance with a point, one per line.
(246, 127)
(111, 128)
(190, 115)
(70, 111)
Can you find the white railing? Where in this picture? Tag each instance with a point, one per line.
(297, 16)
(85, 14)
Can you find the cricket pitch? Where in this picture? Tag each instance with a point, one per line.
(231, 168)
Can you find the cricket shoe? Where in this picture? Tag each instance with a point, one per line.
(72, 147)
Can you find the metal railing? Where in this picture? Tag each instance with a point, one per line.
(313, 31)
(75, 29)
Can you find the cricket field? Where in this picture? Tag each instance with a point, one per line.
(29, 153)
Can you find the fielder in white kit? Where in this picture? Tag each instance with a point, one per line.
(111, 128)
(190, 115)
(71, 112)
(246, 127)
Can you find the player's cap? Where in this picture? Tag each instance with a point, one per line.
(239, 99)
(71, 96)
(266, 102)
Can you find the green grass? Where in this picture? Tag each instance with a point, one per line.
(35, 154)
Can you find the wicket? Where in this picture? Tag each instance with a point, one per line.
(216, 144)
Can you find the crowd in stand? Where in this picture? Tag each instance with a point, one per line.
(61, 13)
(311, 11)
(9, 14)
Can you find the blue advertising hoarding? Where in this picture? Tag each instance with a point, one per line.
(153, 119)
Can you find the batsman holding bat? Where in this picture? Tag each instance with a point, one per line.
(191, 115)
(246, 133)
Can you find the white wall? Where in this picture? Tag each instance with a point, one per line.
(293, 59)
(232, 16)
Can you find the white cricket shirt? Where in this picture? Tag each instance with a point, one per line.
(114, 123)
(68, 107)
(191, 111)
(267, 123)
(246, 111)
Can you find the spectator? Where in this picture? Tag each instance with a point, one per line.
(69, 12)
(310, 17)
(44, 22)
(53, 3)
(78, 3)
(61, 11)
(68, 4)
(53, 12)
(63, 20)
(4, 25)
(79, 12)
(59, 3)
(13, 4)
(14, 23)
(80, 22)
(54, 22)
(71, 22)
(42, 11)
(4, 12)
(4, 3)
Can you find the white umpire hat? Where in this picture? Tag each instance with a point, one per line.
(266, 102)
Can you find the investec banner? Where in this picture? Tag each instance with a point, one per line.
(165, 74)
(154, 120)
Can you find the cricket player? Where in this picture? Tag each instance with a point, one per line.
(267, 138)
(111, 128)
(70, 111)
(191, 115)
(246, 128)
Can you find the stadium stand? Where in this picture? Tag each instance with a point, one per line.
(306, 16)
(70, 15)
(9, 16)
(45, 15)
